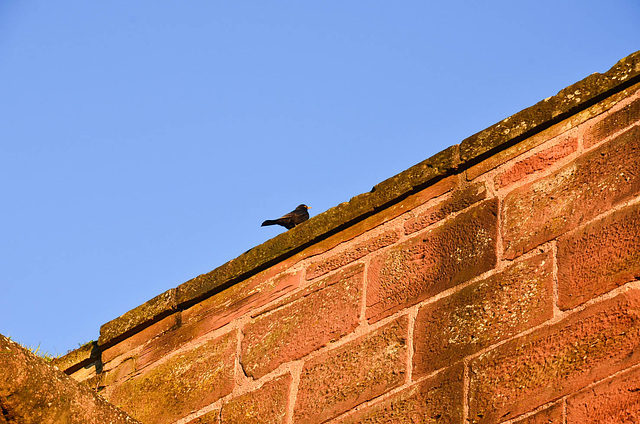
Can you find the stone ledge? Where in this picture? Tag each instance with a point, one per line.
(545, 113)
(506, 133)
(77, 358)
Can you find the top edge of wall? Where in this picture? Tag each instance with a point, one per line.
(469, 152)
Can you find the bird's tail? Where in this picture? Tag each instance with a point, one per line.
(269, 222)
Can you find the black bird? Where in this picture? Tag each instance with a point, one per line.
(291, 219)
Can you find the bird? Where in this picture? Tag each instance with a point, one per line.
(291, 219)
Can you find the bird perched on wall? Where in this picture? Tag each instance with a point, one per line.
(291, 219)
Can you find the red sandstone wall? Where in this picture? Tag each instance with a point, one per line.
(507, 293)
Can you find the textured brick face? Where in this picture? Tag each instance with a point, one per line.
(484, 313)
(186, 382)
(427, 264)
(218, 310)
(434, 400)
(615, 401)
(266, 405)
(613, 123)
(459, 200)
(600, 257)
(353, 253)
(304, 325)
(340, 379)
(211, 417)
(550, 415)
(544, 209)
(537, 162)
(553, 361)
(140, 337)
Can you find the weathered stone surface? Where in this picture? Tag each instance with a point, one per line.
(33, 391)
(612, 123)
(148, 311)
(141, 337)
(613, 401)
(483, 314)
(435, 400)
(502, 156)
(555, 360)
(459, 200)
(340, 379)
(438, 165)
(211, 417)
(338, 217)
(159, 347)
(84, 354)
(538, 162)
(550, 415)
(221, 308)
(86, 374)
(304, 325)
(599, 257)
(425, 265)
(118, 373)
(353, 253)
(544, 209)
(385, 194)
(266, 405)
(186, 382)
(569, 100)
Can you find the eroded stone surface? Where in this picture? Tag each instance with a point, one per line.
(266, 405)
(427, 264)
(555, 360)
(342, 378)
(599, 257)
(550, 415)
(484, 313)
(186, 382)
(459, 200)
(33, 391)
(544, 209)
(614, 401)
(304, 325)
(568, 100)
(434, 400)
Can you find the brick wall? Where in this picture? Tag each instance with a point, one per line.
(494, 283)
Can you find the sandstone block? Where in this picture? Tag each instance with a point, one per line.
(459, 200)
(266, 405)
(484, 313)
(429, 263)
(544, 209)
(435, 400)
(304, 325)
(614, 401)
(550, 415)
(186, 382)
(537, 162)
(556, 360)
(599, 257)
(612, 123)
(239, 299)
(340, 379)
(211, 417)
(352, 254)
(140, 338)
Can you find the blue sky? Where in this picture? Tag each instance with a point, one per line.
(143, 143)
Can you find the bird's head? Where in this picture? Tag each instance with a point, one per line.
(303, 207)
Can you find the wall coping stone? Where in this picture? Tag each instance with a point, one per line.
(454, 159)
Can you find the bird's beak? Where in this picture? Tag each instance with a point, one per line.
(308, 207)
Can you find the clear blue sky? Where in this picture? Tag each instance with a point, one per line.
(142, 143)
